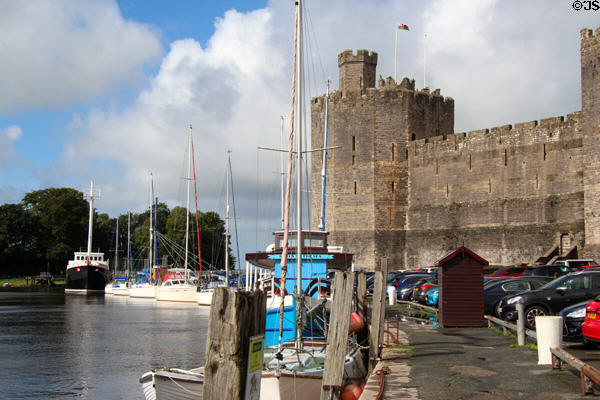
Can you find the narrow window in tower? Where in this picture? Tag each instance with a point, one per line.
(407, 154)
(447, 190)
(505, 157)
(413, 137)
(437, 167)
(353, 159)
(390, 214)
(353, 143)
(393, 187)
(354, 187)
(537, 182)
(392, 151)
(469, 160)
(489, 185)
(544, 151)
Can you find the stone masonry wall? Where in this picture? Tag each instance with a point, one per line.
(508, 193)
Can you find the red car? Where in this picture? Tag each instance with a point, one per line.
(590, 329)
(510, 271)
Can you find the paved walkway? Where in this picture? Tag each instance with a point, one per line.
(467, 363)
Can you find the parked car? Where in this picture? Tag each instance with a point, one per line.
(552, 297)
(421, 289)
(576, 263)
(553, 270)
(573, 316)
(494, 291)
(432, 297)
(508, 271)
(404, 287)
(590, 329)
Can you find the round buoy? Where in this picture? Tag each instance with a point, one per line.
(356, 323)
(351, 392)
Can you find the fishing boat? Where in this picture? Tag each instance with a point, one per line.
(87, 272)
(183, 288)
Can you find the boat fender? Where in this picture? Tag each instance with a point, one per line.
(356, 323)
(351, 392)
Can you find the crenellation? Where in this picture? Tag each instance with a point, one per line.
(477, 133)
(552, 122)
(526, 125)
(501, 129)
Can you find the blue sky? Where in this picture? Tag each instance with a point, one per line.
(106, 90)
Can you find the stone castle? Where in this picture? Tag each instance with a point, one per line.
(403, 186)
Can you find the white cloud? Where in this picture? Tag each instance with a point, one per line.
(57, 53)
(502, 62)
(7, 138)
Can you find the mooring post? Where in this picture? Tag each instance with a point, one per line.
(377, 314)
(337, 337)
(235, 317)
(520, 324)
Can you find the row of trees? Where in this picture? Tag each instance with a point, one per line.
(47, 226)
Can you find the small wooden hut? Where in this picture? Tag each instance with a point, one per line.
(460, 276)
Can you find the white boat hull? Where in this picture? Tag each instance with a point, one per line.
(108, 289)
(172, 384)
(181, 294)
(143, 291)
(288, 387)
(205, 297)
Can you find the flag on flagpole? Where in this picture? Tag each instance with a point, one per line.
(403, 27)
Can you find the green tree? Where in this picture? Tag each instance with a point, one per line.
(20, 251)
(62, 214)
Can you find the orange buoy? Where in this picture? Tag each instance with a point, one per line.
(351, 392)
(356, 323)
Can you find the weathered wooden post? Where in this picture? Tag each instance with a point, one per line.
(337, 337)
(235, 317)
(377, 313)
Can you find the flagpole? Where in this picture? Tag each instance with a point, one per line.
(396, 53)
(425, 62)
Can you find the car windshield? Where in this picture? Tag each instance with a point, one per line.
(555, 283)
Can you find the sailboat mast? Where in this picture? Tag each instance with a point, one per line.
(90, 221)
(129, 264)
(282, 174)
(117, 248)
(187, 214)
(324, 169)
(151, 244)
(227, 219)
(299, 241)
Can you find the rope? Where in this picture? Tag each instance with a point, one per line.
(184, 389)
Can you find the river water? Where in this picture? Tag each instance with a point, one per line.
(54, 346)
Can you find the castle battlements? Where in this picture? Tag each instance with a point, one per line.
(537, 130)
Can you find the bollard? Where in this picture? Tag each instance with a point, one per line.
(520, 325)
(391, 294)
(549, 335)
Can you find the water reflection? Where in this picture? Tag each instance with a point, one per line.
(57, 346)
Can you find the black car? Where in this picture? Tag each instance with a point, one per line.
(573, 316)
(552, 297)
(554, 270)
(494, 291)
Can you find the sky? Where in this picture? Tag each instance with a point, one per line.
(106, 90)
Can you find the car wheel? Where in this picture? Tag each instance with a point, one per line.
(531, 313)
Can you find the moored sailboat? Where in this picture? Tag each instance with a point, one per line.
(182, 288)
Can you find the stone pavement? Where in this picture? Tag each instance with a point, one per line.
(431, 363)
